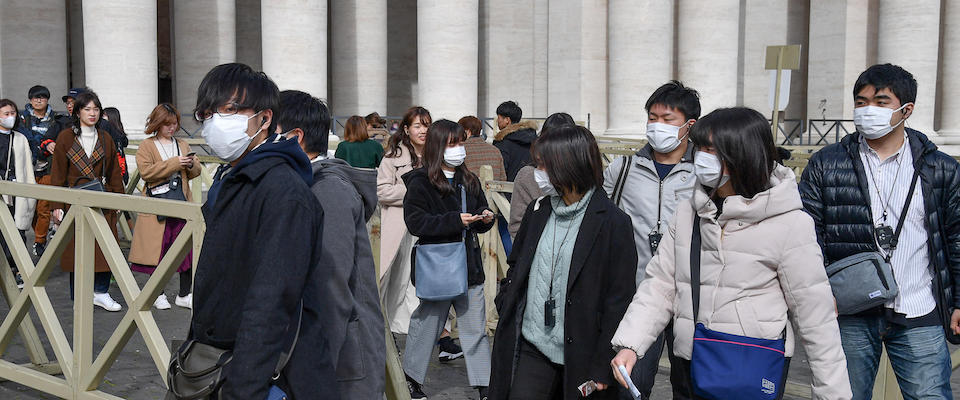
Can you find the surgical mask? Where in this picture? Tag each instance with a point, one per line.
(874, 122)
(543, 182)
(709, 170)
(7, 122)
(664, 138)
(454, 156)
(227, 135)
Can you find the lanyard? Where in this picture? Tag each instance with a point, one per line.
(555, 257)
(876, 183)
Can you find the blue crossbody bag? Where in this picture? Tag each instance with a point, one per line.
(440, 269)
(725, 366)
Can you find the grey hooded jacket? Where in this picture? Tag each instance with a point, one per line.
(644, 193)
(354, 325)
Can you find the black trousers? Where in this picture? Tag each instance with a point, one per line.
(644, 373)
(536, 378)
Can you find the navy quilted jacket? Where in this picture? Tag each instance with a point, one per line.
(834, 192)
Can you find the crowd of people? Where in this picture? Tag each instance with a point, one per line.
(701, 241)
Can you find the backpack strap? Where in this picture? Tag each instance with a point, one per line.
(617, 194)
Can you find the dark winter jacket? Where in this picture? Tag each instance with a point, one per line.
(599, 289)
(514, 143)
(354, 322)
(35, 129)
(835, 193)
(435, 218)
(262, 245)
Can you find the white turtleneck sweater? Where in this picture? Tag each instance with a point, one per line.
(88, 139)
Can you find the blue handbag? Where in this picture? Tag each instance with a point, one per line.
(725, 366)
(441, 269)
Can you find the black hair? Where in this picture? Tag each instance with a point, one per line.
(439, 135)
(16, 112)
(81, 101)
(511, 110)
(571, 157)
(38, 91)
(743, 142)
(674, 95)
(113, 116)
(251, 90)
(310, 114)
(402, 138)
(888, 76)
(556, 120)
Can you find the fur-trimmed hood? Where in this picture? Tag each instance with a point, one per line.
(516, 127)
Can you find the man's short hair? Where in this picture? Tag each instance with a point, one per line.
(511, 110)
(310, 114)
(254, 90)
(471, 124)
(889, 76)
(674, 95)
(38, 91)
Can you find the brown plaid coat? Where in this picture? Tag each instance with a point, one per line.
(480, 153)
(69, 162)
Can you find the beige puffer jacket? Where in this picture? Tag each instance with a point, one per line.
(760, 261)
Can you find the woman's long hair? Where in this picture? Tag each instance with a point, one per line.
(113, 117)
(741, 137)
(571, 157)
(412, 115)
(440, 134)
(82, 100)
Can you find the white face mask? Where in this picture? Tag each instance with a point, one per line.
(543, 182)
(227, 135)
(664, 138)
(7, 122)
(454, 156)
(709, 170)
(874, 122)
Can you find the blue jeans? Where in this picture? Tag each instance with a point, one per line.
(919, 356)
(101, 282)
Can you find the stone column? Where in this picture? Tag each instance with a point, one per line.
(950, 77)
(204, 37)
(840, 32)
(447, 46)
(909, 36)
(294, 37)
(577, 69)
(541, 51)
(248, 35)
(401, 55)
(122, 68)
(507, 55)
(640, 42)
(708, 54)
(360, 57)
(33, 55)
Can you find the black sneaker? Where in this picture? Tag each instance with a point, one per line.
(483, 392)
(16, 275)
(449, 350)
(416, 390)
(39, 248)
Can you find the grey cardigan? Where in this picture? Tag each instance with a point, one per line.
(525, 191)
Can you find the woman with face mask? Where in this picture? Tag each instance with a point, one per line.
(85, 154)
(16, 164)
(756, 262)
(571, 277)
(432, 209)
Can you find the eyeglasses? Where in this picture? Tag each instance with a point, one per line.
(225, 110)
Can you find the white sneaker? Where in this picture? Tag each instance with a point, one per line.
(185, 301)
(104, 301)
(161, 303)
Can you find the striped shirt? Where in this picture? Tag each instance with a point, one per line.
(888, 182)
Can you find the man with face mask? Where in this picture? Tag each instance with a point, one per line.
(648, 186)
(345, 283)
(858, 193)
(262, 243)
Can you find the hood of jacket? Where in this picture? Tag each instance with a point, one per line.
(518, 127)
(364, 180)
(782, 197)
(287, 150)
(28, 112)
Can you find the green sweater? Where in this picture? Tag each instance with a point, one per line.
(554, 248)
(365, 154)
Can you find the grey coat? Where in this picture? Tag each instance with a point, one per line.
(354, 325)
(643, 192)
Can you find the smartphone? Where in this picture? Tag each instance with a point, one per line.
(191, 154)
(626, 377)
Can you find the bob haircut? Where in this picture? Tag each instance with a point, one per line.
(355, 129)
(238, 83)
(471, 124)
(570, 155)
(442, 133)
(742, 140)
(82, 100)
(310, 114)
(556, 120)
(414, 114)
(162, 115)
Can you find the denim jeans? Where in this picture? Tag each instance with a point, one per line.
(919, 356)
(101, 282)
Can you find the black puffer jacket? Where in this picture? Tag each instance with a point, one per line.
(514, 143)
(434, 218)
(835, 193)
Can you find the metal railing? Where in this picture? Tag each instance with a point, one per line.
(487, 127)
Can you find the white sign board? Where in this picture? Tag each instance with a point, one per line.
(784, 88)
